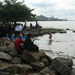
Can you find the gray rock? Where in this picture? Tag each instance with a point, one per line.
(5, 56)
(26, 68)
(46, 71)
(73, 72)
(16, 60)
(45, 61)
(61, 68)
(11, 69)
(37, 66)
(13, 53)
(35, 74)
(29, 56)
(66, 61)
(62, 32)
(2, 50)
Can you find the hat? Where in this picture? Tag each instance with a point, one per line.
(19, 23)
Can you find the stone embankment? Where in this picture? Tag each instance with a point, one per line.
(33, 63)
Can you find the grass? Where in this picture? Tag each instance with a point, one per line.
(50, 29)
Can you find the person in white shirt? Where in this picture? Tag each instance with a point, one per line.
(21, 31)
(17, 30)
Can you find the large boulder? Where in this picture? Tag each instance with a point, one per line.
(37, 66)
(60, 67)
(12, 69)
(5, 56)
(73, 72)
(29, 56)
(16, 60)
(13, 53)
(66, 61)
(46, 71)
(26, 68)
(10, 48)
(45, 61)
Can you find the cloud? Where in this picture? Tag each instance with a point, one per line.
(58, 8)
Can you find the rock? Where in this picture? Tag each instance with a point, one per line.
(35, 74)
(62, 32)
(46, 71)
(26, 68)
(16, 60)
(73, 72)
(66, 61)
(2, 50)
(5, 56)
(11, 69)
(74, 31)
(13, 53)
(29, 56)
(10, 47)
(7, 43)
(60, 67)
(45, 61)
(37, 66)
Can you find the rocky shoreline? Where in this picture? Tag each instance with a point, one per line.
(33, 63)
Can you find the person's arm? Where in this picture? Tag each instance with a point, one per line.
(22, 41)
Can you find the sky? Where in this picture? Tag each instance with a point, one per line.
(58, 8)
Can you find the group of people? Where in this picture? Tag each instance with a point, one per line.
(28, 44)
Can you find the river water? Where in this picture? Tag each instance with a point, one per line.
(61, 45)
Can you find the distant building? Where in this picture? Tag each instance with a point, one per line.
(43, 18)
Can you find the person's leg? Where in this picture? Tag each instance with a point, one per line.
(4, 41)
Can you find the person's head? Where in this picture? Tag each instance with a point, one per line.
(20, 37)
(28, 36)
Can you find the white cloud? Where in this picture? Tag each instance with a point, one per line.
(58, 8)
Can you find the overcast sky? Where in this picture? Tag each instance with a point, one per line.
(57, 8)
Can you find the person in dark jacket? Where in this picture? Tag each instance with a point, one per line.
(10, 32)
(29, 44)
(3, 34)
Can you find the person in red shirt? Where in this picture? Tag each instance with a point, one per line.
(19, 45)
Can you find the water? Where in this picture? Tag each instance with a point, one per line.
(61, 45)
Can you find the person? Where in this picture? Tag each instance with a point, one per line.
(31, 26)
(10, 32)
(37, 25)
(21, 29)
(50, 35)
(3, 34)
(7, 27)
(24, 28)
(29, 45)
(19, 45)
(17, 30)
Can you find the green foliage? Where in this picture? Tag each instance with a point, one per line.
(50, 29)
(13, 11)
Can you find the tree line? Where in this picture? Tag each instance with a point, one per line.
(13, 11)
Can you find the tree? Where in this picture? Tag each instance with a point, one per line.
(13, 11)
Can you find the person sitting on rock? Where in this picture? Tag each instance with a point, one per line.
(29, 44)
(19, 45)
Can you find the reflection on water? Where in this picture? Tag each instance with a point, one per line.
(50, 42)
